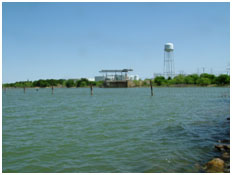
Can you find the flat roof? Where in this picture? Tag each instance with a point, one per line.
(123, 70)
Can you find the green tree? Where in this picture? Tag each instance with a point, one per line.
(195, 77)
(52, 82)
(189, 80)
(94, 83)
(69, 83)
(28, 84)
(159, 80)
(203, 81)
(146, 82)
(83, 84)
(211, 77)
(222, 79)
(40, 83)
(99, 83)
(61, 81)
(179, 79)
(171, 82)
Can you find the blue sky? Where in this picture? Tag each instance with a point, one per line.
(74, 40)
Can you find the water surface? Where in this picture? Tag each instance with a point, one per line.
(115, 130)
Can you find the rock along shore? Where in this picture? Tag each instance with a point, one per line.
(220, 164)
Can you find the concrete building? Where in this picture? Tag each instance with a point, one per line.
(116, 78)
(133, 77)
(99, 78)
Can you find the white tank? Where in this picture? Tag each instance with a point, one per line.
(168, 47)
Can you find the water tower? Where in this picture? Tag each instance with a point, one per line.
(169, 70)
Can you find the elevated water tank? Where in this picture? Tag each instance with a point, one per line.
(168, 47)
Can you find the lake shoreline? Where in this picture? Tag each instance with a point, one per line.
(220, 164)
(172, 86)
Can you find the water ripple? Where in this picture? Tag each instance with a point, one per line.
(115, 130)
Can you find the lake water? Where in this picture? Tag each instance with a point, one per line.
(115, 130)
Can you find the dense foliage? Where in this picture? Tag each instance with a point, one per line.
(52, 82)
(193, 79)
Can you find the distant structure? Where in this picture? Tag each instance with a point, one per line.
(90, 79)
(228, 69)
(99, 78)
(133, 77)
(169, 70)
(113, 74)
(157, 75)
(116, 78)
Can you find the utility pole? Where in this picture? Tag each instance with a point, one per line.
(211, 70)
(228, 69)
(203, 68)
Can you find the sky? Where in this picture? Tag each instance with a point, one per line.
(75, 40)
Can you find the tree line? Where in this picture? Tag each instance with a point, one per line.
(193, 79)
(83, 82)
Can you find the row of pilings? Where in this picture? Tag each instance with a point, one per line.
(91, 89)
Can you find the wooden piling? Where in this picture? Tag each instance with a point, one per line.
(24, 89)
(52, 89)
(151, 88)
(91, 88)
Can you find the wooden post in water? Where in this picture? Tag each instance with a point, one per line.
(52, 89)
(5, 90)
(151, 88)
(24, 89)
(91, 88)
